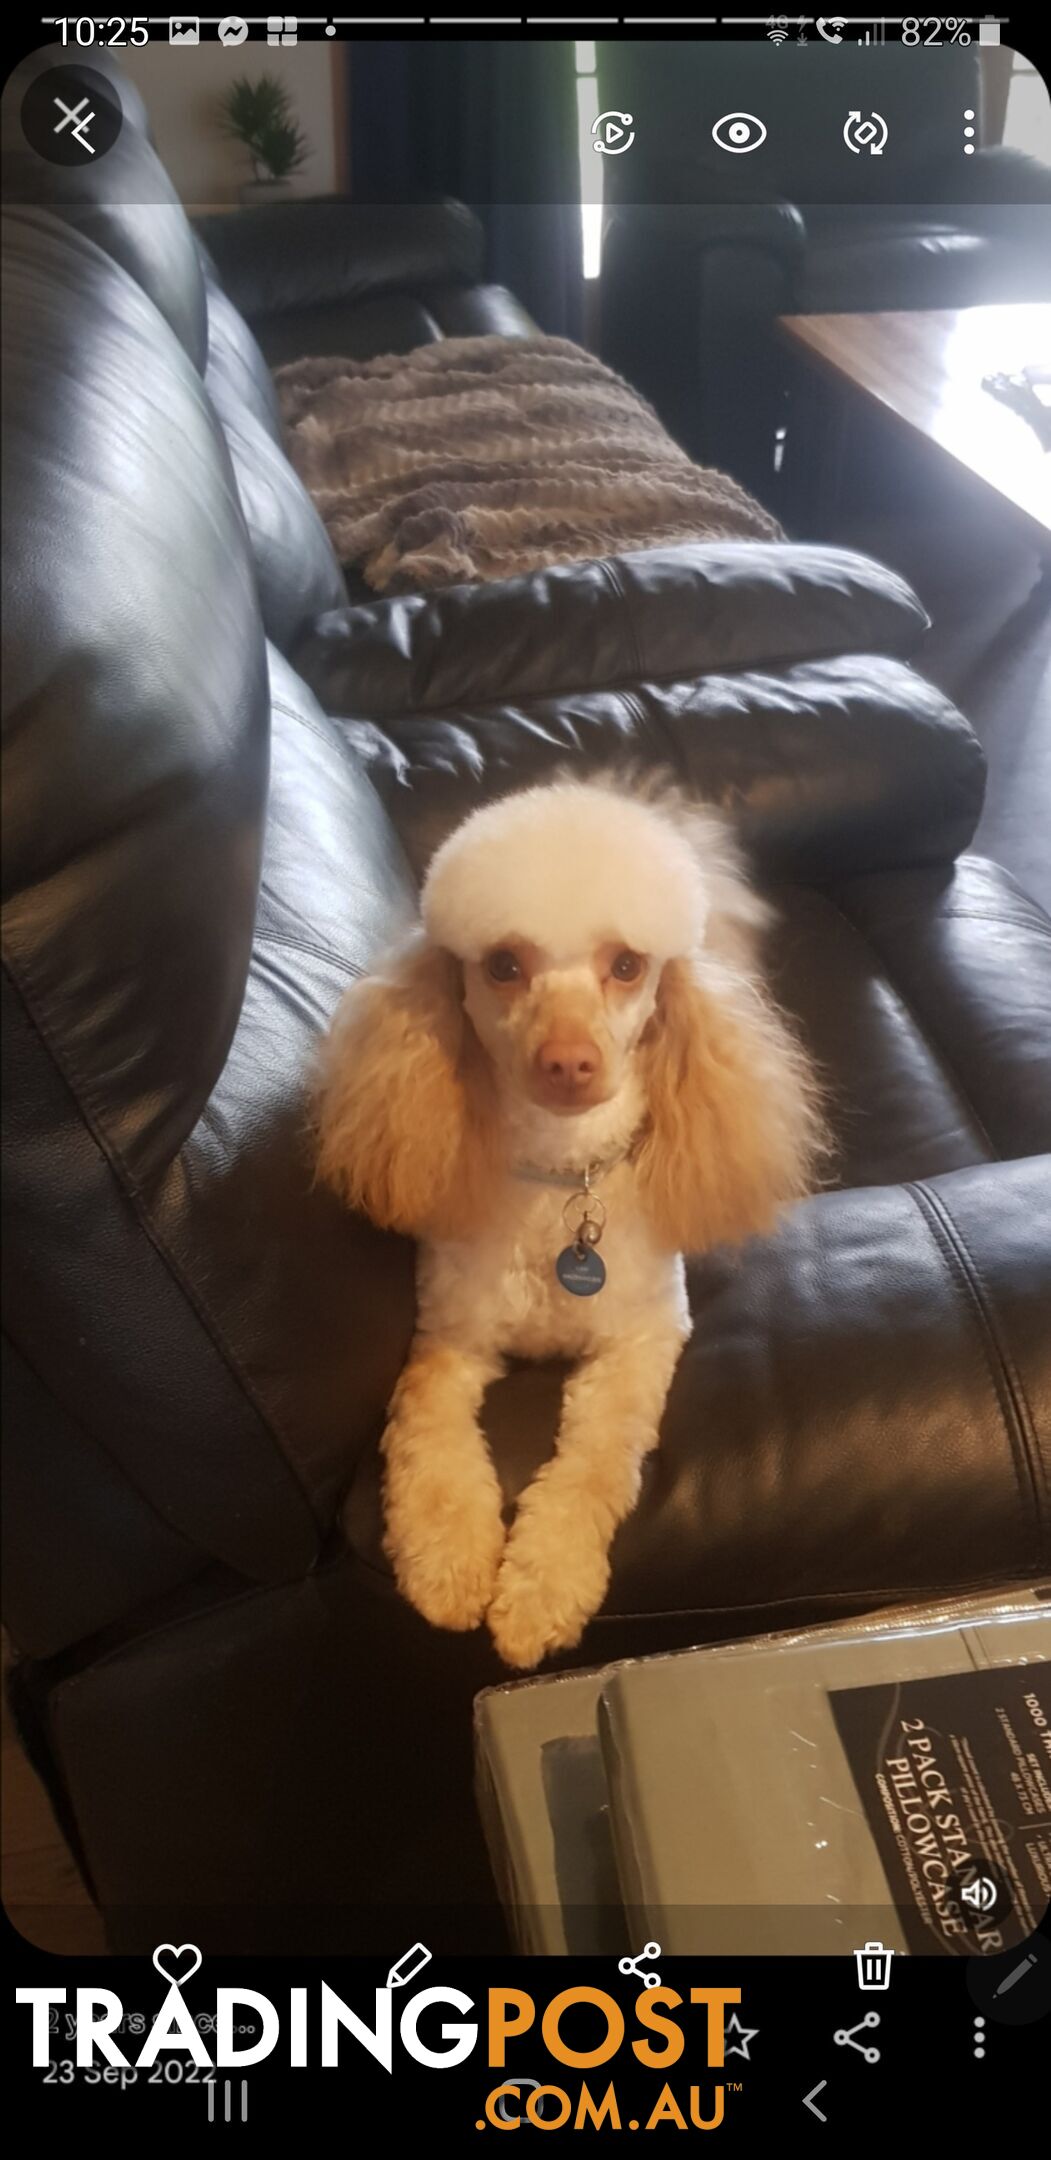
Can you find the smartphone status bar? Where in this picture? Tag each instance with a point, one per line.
(278, 30)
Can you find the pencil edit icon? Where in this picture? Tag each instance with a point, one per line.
(1016, 1989)
(1017, 1973)
(408, 1966)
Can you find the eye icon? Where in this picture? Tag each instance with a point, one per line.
(739, 131)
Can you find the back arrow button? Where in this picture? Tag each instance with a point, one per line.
(809, 2099)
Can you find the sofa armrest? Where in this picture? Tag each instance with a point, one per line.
(1004, 195)
(970, 952)
(284, 257)
(999, 176)
(680, 230)
(480, 311)
(802, 1461)
(1002, 174)
(654, 613)
(735, 667)
(862, 1415)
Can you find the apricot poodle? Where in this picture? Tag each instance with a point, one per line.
(567, 1078)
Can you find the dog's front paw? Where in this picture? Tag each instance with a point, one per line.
(446, 1553)
(548, 1588)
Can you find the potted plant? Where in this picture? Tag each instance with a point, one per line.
(259, 113)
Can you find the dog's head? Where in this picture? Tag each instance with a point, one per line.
(577, 938)
(563, 904)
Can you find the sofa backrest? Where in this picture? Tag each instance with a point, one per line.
(125, 202)
(329, 276)
(194, 867)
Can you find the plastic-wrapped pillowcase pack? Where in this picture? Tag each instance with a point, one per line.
(881, 1781)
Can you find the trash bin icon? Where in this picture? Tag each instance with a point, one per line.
(873, 1963)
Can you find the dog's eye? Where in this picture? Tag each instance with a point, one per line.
(627, 967)
(503, 966)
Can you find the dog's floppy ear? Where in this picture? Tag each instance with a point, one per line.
(403, 1099)
(734, 1129)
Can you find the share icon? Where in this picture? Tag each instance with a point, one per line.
(845, 2038)
(634, 1965)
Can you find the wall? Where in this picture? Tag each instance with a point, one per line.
(181, 86)
(1028, 122)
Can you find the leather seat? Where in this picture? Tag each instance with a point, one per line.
(209, 831)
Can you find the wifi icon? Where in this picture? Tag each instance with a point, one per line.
(778, 30)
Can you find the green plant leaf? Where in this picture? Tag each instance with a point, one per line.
(259, 113)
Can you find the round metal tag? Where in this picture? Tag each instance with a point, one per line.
(580, 1270)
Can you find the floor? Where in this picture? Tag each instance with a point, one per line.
(989, 648)
(1007, 700)
(989, 645)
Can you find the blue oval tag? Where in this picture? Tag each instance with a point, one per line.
(580, 1271)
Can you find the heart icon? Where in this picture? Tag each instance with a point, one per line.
(189, 1951)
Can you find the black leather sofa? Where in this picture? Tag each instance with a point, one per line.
(220, 781)
(705, 247)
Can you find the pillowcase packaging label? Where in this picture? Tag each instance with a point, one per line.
(954, 1775)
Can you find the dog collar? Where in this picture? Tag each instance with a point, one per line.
(571, 1180)
(578, 1266)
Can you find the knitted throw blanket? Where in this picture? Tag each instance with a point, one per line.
(477, 458)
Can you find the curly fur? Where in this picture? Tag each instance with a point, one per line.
(407, 1132)
(436, 1117)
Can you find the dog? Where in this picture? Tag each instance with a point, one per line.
(569, 1076)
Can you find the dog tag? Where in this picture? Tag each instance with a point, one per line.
(580, 1270)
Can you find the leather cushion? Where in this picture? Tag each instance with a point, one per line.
(123, 854)
(825, 767)
(64, 1493)
(649, 614)
(295, 256)
(316, 1307)
(297, 571)
(355, 329)
(969, 952)
(796, 1452)
(479, 311)
(237, 377)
